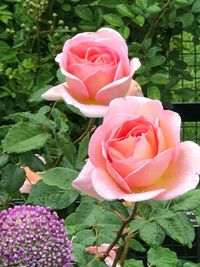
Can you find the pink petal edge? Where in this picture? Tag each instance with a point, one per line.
(107, 189)
(183, 175)
(83, 181)
(59, 92)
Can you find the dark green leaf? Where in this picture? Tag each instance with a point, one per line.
(60, 76)
(60, 177)
(188, 201)
(3, 160)
(113, 20)
(12, 178)
(134, 263)
(124, 10)
(82, 151)
(51, 196)
(152, 234)
(24, 137)
(178, 228)
(84, 12)
(32, 161)
(162, 257)
(136, 245)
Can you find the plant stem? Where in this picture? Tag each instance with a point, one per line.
(87, 130)
(126, 248)
(118, 236)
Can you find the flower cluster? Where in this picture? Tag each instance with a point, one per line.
(33, 236)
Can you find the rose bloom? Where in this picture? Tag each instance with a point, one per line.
(136, 154)
(97, 70)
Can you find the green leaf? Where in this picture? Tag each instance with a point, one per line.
(96, 263)
(82, 151)
(32, 161)
(51, 196)
(113, 20)
(139, 20)
(98, 16)
(115, 206)
(85, 237)
(159, 78)
(87, 214)
(125, 31)
(136, 245)
(152, 234)
(80, 254)
(124, 10)
(153, 9)
(188, 201)
(12, 178)
(60, 177)
(60, 76)
(134, 263)
(191, 264)
(142, 4)
(186, 19)
(84, 13)
(70, 224)
(156, 61)
(178, 228)
(162, 257)
(36, 97)
(196, 7)
(3, 160)
(24, 137)
(6, 53)
(153, 92)
(137, 224)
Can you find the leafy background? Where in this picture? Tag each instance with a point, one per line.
(165, 36)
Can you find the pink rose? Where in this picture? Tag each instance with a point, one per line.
(136, 154)
(101, 249)
(97, 70)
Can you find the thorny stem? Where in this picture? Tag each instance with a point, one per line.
(87, 130)
(125, 252)
(118, 236)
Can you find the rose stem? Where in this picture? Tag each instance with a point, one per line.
(118, 236)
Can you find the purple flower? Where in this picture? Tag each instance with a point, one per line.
(32, 236)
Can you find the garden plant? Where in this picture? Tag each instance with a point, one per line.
(93, 171)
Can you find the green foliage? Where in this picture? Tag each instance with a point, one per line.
(32, 33)
(162, 257)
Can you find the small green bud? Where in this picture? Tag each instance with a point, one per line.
(50, 22)
(54, 15)
(27, 29)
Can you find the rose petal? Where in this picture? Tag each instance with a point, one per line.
(54, 93)
(95, 81)
(170, 125)
(183, 175)
(128, 105)
(134, 89)
(83, 181)
(76, 87)
(113, 90)
(119, 87)
(110, 37)
(150, 172)
(96, 145)
(108, 189)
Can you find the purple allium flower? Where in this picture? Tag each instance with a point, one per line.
(32, 236)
